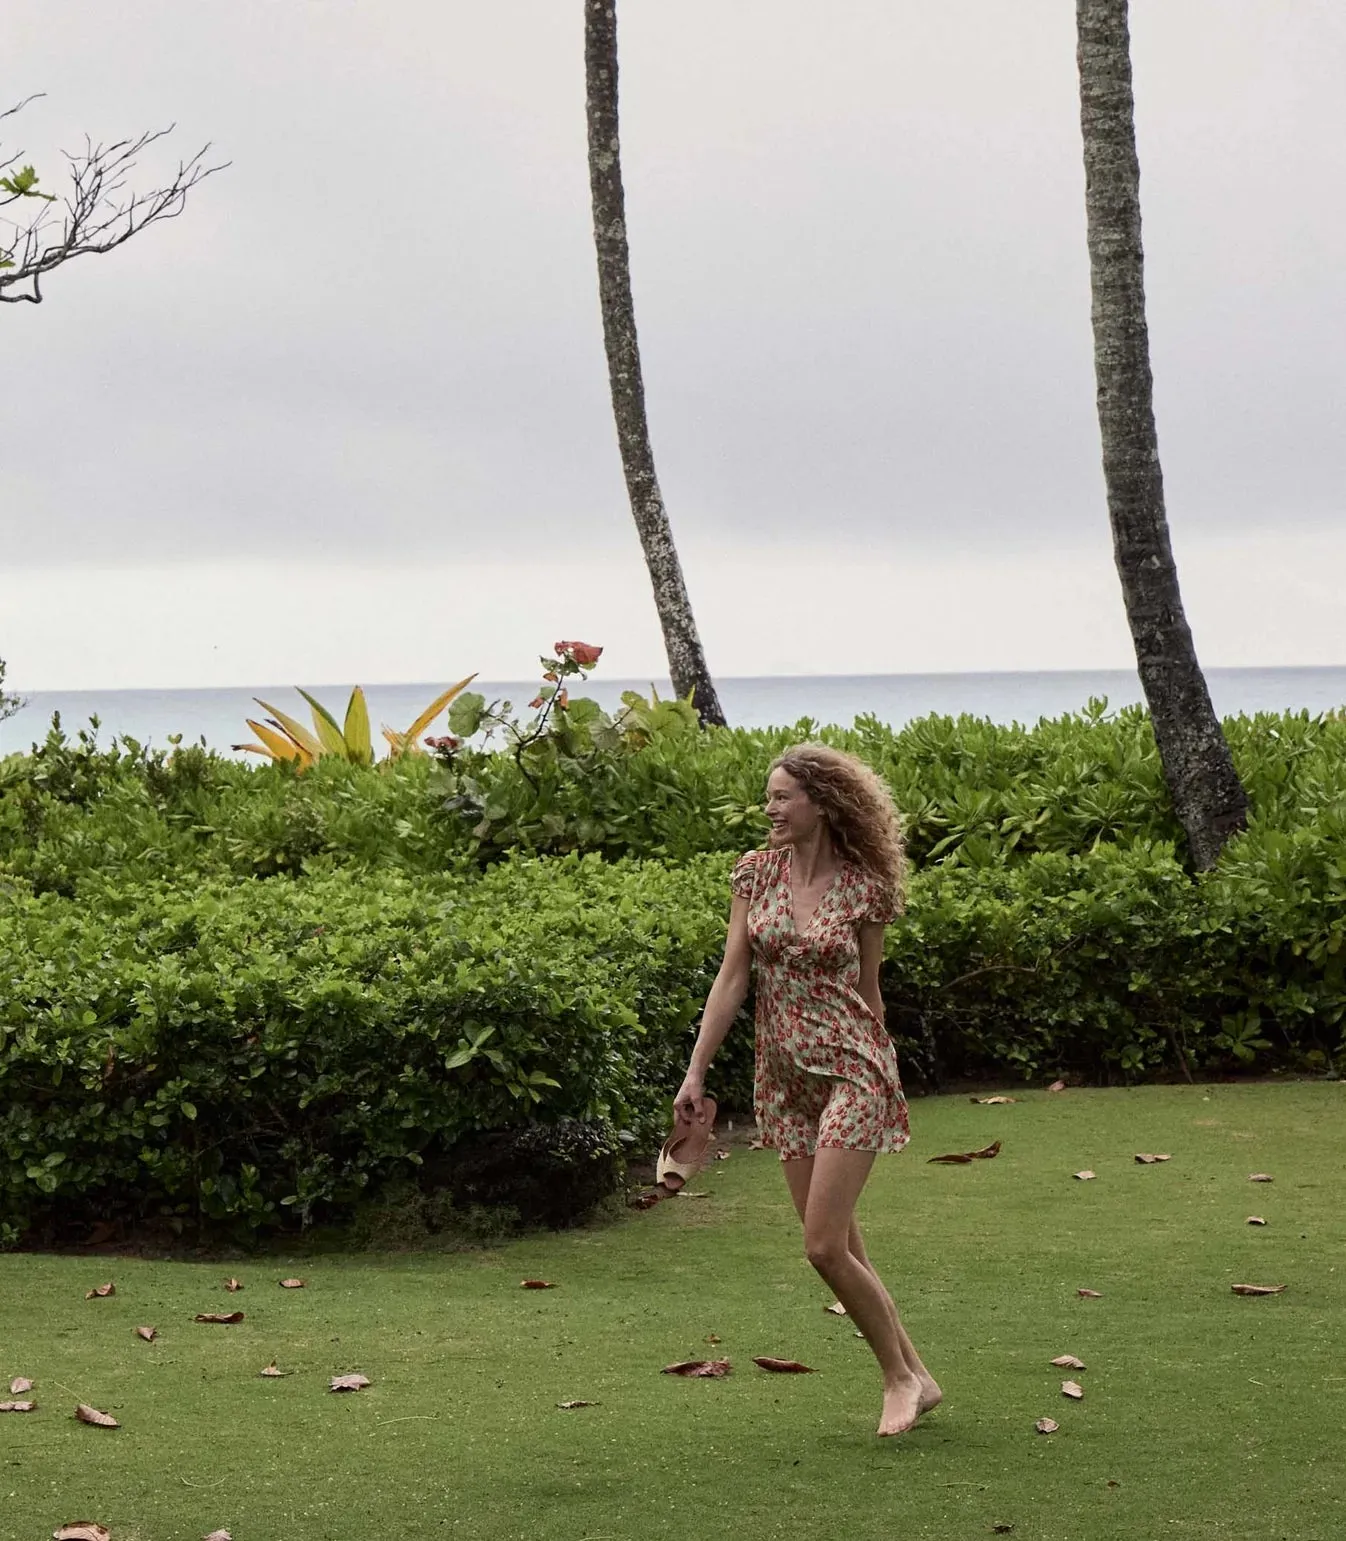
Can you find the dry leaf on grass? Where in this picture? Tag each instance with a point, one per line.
(1147, 1159)
(1089, 1294)
(1257, 1289)
(538, 1284)
(1072, 1388)
(348, 1383)
(990, 1102)
(723, 1155)
(712, 1338)
(223, 1318)
(101, 1292)
(218, 1535)
(1002, 1527)
(87, 1414)
(567, 1406)
(1068, 1362)
(18, 1407)
(785, 1366)
(835, 1309)
(714, 1369)
(19, 1385)
(1086, 1175)
(960, 1157)
(1260, 1177)
(148, 1333)
(292, 1284)
(756, 1145)
(82, 1530)
(1057, 1086)
(1256, 1220)
(647, 1200)
(1046, 1425)
(270, 1372)
(233, 1285)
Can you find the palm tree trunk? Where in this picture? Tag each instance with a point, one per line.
(1207, 795)
(686, 660)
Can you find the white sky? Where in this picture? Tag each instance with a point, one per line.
(347, 417)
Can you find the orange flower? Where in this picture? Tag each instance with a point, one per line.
(585, 654)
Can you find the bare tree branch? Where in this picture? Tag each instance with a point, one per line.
(100, 211)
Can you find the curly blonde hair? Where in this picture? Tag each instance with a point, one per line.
(862, 818)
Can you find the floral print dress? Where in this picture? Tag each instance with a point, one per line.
(826, 1069)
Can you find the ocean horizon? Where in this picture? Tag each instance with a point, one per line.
(216, 714)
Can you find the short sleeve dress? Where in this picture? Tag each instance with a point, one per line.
(826, 1069)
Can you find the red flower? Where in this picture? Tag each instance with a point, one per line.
(585, 654)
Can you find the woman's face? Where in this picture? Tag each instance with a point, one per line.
(792, 814)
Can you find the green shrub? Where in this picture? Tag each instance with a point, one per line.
(236, 1052)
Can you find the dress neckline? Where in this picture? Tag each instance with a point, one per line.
(790, 889)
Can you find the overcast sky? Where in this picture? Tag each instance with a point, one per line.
(347, 418)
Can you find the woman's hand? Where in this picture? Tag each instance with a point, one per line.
(689, 1104)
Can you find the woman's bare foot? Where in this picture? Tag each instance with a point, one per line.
(931, 1395)
(901, 1406)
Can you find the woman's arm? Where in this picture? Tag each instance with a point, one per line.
(871, 959)
(727, 994)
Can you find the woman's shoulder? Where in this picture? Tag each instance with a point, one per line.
(749, 868)
(872, 898)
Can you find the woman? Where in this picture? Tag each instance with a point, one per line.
(809, 911)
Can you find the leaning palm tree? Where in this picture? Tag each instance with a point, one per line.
(1207, 795)
(686, 659)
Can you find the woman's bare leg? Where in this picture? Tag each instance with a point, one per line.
(833, 1186)
(798, 1175)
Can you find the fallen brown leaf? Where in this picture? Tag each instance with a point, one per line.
(647, 1200)
(756, 1145)
(1257, 1289)
(696, 1368)
(233, 1285)
(1057, 1086)
(984, 1154)
(148, 1333)
(1002, 1527)
(1072, 1388)
(712, 1337)
(538, 1284)
(723, 1155)
(18, 1407)
(784, 1366)
(348, 1383)
(224, 1318)
(566, 1406)
(1086, 1175)
(1147, 1159)
(1046, 1425)
(101, 1292)
(1068, 1362)
(87, 1414)
(19, 1385)
(1256, 1220)
(991, 1102)
(1260, 1177)
(270, 1372)
(218, 1535)
(82, 1530)
(1089, 1294)
(293, 1284)
(836, 1308)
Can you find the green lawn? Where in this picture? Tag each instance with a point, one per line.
(1206, 1414)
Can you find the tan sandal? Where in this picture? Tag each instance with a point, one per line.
(684, 1152)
